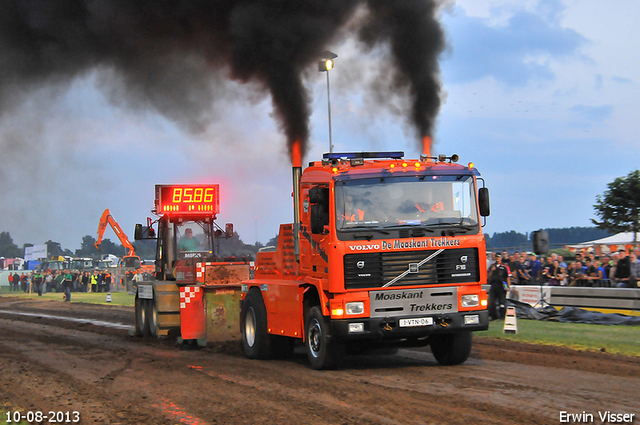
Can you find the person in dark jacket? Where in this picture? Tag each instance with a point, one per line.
(67, 283)
(499, 279)
(37, 282)
(100, 282)
(85, 282)
(23, 283)
(623, 271)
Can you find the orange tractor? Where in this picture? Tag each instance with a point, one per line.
(189, 275)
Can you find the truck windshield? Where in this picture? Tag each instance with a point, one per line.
(82, 264)
(104, 264)
(398, 202)
(55, 266)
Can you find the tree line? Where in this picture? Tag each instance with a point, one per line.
(146, 249)
(557, 237)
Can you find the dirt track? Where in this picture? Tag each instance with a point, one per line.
(110, 377)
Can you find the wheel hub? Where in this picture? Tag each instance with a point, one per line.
(315, 338)
(250, 327)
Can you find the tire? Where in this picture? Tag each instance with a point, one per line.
(142, 320)
(322, 352)
(451, 349)
(152, 317)
(256, 342)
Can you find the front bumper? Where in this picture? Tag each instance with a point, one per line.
(387, 328)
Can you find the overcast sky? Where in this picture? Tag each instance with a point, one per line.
(540, 95)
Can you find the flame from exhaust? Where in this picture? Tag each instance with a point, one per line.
(296, 155)
(426, 145)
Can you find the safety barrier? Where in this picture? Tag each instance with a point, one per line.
(606, 300)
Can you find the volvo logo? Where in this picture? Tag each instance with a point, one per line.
(360, 264)
(463, 259)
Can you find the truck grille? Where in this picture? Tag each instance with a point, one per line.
(374, 270)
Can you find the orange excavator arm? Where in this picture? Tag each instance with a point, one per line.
(107, 219)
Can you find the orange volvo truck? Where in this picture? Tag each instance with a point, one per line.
(383, 251)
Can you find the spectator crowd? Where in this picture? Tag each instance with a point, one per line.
(61, 281)
(617, 270)
(587, 270)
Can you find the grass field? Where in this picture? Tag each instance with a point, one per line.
(614, 339)
(117, 298)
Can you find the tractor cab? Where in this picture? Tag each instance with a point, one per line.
(187, 232)
(182, 243)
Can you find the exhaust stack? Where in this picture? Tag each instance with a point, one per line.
(296, 161)
(426, 146)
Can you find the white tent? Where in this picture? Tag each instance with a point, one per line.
(608, 244)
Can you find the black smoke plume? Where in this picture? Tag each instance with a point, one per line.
(416, 39)
(171, 55)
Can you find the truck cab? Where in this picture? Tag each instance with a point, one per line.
(388, 252)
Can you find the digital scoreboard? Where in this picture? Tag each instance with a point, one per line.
(188, 199)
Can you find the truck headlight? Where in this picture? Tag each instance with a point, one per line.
(472, 319)
(356, 327)
(355, 307)
(471, 300)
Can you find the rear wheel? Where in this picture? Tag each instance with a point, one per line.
(451, 349)
(255, 338)
(142, 320)
(323, 353)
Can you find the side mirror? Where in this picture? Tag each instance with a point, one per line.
(143, 232)
(228, 230)
(483, 201)
(540, 242)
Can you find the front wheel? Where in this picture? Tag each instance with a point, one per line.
(322, 352)
(451, 349)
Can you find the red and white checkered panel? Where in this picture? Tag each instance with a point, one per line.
(200, 268)
(186, 293)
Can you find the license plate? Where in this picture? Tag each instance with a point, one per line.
(420, 321)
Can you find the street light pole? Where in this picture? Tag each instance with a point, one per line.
(329, 107)
(325, 65)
